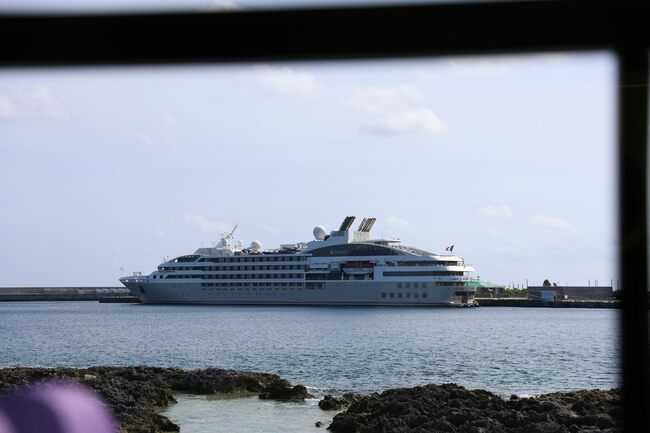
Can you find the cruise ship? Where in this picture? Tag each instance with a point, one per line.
(342, 267)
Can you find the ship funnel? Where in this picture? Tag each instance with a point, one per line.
(347, 223)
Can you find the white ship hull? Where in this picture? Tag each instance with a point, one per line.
(358, 293)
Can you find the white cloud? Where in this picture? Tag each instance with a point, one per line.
(145, 138)
(220, 5)
(475, 67)
(379, 100)
(202, 223)
(396, 110)
(479, 67)
(503, 211)
(37, 101)
(7, 107)
(161, 138)
(416, 120)
(286, 80)
(169, 119)
(550, 221)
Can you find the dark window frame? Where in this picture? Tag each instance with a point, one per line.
(319, 33)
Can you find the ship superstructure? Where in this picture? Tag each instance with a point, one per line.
(342, 267)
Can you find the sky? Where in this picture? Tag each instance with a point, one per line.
(82, 6)
(509, 159)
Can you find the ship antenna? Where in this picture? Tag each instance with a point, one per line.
(232, 232)
(225, 238)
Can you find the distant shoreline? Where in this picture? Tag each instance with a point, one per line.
(528, 303)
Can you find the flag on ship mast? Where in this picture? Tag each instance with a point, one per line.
(450, 248)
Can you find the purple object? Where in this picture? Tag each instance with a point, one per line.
(55, 407)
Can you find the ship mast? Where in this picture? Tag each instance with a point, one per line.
(226, 238)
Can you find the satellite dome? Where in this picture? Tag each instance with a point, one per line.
(320, 232)
(256, 246)
(240, 244)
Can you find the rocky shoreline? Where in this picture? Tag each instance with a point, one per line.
(137, 394)
(452, 408)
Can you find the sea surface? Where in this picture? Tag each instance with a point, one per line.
(524, 351)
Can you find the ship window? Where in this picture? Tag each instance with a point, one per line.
(407, 285)
(416, 285)
(392, 295)
(424, 294)
(424, 285)
(416, 295)
(399, 285)
(399, 294)
(408, 294)
(383, 294)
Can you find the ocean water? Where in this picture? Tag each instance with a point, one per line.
(201, 414)
(524, 351)
(505, 350)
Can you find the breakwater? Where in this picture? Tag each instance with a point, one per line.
(8, 294)
(532, 303)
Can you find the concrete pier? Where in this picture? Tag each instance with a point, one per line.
(127, 299)
(8, 294)
(525, 302)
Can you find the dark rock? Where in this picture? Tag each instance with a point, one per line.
(319, 424)
(441, 425)
(452, 408)
(337, 403)
(136, 394)
(282, 390)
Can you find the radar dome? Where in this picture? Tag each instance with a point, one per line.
(256, 246)
(240, 244)
(320, 232)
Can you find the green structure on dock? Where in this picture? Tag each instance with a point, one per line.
(486, 288)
